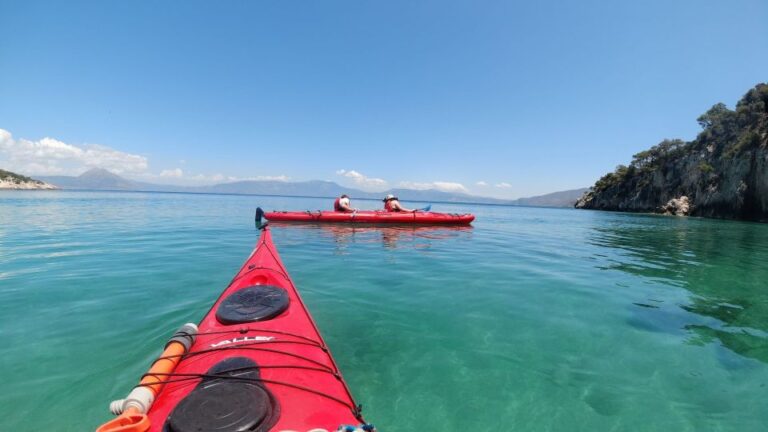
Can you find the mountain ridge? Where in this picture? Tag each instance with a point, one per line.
(101, 179)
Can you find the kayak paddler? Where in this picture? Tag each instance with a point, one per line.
(391, 204)
(342, 204)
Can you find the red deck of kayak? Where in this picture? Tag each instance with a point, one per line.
(295, 341)
(372, 217)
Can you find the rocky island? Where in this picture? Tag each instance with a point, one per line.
(723, 173)
(9, 180)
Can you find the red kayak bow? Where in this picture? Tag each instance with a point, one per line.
(257, 363)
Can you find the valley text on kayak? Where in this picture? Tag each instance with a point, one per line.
(243, 339)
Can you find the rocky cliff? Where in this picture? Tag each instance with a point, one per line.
(723, 173)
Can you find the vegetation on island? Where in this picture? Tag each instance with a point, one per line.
(723, 172)
(16, 178)
(17, 181)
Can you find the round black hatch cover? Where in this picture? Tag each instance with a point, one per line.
(232, 401)
(254, 303)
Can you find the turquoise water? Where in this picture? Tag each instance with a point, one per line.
(533, 320)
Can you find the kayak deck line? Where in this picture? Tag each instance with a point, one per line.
(258, 362)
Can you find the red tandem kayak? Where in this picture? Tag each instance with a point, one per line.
(256, 362)
(372, 217)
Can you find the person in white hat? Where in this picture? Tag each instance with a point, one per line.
(391, 204)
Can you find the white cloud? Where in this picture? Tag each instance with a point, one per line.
(177, 172)
(282, 178)
(416, 185)
(503, 185)
(362, 180)
(177, 176)
(49, 156)
(439, 185)
(481, 183)
(450, 186)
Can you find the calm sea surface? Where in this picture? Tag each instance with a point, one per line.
(532, 320)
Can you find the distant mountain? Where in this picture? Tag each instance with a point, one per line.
(319, 188)
(10, 180)
(438, 196)
(101, 179)
(272, 187)
(555, 199)
(96, 178)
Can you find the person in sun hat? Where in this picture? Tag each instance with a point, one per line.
(391, 204)
(342, 204)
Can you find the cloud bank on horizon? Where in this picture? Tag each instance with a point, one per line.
(52, 157)
(363, 182)
(49, 156)
(372, 184)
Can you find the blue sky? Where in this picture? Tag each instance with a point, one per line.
(526, 97)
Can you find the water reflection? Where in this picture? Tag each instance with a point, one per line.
(391, 237)
(721, 264)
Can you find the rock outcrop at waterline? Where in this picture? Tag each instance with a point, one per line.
(723, 173)
(9, 180)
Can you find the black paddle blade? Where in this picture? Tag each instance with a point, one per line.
(259, 218)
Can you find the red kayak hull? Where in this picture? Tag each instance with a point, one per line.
(294, 363)
(372, 217)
